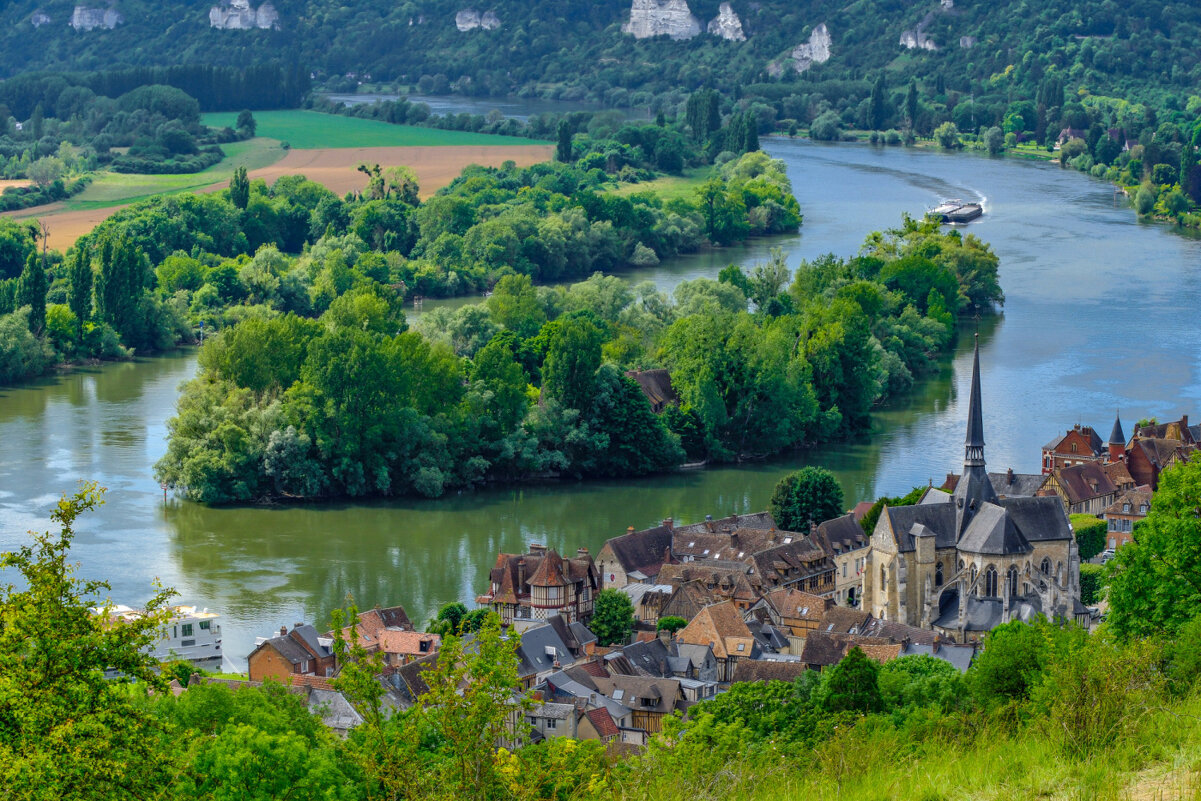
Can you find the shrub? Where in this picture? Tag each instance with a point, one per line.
(947, 136)
(1091, 583)
(1090, 535)
(826, 128)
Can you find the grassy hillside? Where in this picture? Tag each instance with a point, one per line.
(311, 130)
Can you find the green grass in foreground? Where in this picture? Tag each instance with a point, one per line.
(114, 188)
(311, 130)
(668, 187)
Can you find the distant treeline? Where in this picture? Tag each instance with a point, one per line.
(261, 86)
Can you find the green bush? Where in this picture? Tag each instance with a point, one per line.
(1090, 535)
(1092, 578)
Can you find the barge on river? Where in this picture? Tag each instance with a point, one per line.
(956, 212)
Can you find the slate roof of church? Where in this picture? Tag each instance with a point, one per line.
(1029, 519)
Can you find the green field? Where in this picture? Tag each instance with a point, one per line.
(309, 130)
(669, 187)
(114, 188)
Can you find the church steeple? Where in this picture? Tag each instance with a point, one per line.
(973, 488)
(1117, 440)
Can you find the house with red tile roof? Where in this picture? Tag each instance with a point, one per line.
(540, 584)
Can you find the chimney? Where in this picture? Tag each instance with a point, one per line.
(812, 528)
(283, 631)
(669, 524)
(520, 573)
(581, 553)
(665, 636)
(1009, 475)
(537, 549)
(630, 530)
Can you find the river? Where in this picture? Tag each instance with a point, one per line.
(1101, 313)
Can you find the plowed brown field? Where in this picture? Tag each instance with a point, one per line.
(333, 167)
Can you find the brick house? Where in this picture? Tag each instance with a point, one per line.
(1122, 515)
(1079, 445)
(1084, 489)
(541, 583)
(300, 651)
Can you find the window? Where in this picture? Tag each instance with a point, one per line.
(1074, 447)
(938, 575)
(844, 569)
(187, 629)
(304, 666)
(1045, 567)
(883, 577)
(1126, 507)
(990, 581)
(1142, 508)
(1013, 581)
(550, 723)
(205, 625)
(1113, 543)
(187, 642)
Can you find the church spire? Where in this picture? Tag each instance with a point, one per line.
(973, 451)
(974, 487)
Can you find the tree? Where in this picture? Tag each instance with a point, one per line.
(947, 135)
(31, 292)
(563, 146)
(239, 188)
(1155, 580)
(911, 104)
(1090, 535)
(853, 685)
(1092, 583)
(671, 623)
(45, 170)
(449, 619)
(809, 495)
(572, 359)
(79, 278)
(612, 617)
(994, 140)
(879, 104)
(514, 304)
(1012, 660)
(246, 124)
(67, 731)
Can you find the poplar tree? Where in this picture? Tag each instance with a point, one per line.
(31, 292)
(80, 279)
(911, 104)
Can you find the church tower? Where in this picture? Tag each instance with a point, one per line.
(973, 488)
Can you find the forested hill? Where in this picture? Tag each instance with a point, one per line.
(565, 48)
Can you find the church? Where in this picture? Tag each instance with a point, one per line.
(965, 562)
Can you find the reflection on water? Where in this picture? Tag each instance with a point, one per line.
(1100, 314)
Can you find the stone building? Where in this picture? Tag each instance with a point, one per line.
(967, 562)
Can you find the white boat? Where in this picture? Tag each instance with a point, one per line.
(190, 634)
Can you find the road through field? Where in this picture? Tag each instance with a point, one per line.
(332, 167)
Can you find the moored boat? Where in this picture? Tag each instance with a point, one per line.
(190, 634)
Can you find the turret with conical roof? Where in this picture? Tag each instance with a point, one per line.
(973, 488)
(1117, 440)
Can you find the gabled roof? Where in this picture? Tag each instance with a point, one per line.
(643, 693)
(648, 658)
(286, 647)
(992, 531)
(1178, 430)
(394, 641)
(1037, 519)
(797, 605)
(1119, 474)
(843, 620)
(656, 385)
(840, 535)
(409, 676)
(535, 654)
(1158, 451)
(758, 670)
(643, 551)
(542, 567)
(721, 626)
(1016, 485)
(550, 572)
(602, 721)
(1136, 498)
(392, 617)
(1083, 482)
(1091, 438)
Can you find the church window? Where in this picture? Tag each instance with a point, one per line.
(1074, 447)
(1045, 567)
(1059, 572)
(938, 575)
(990, 581)
(1013, 581)
(883, 577)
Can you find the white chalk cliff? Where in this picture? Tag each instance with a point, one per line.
(239, 15)
(727, 25)
(469, 19)
(670, 18)
(40, 18)
(814, 51)
(86, 19)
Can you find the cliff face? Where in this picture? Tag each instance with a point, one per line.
(814, 51)
(727, 25)
(39, 18)
(469, 19)
(86, 19)
(238, 15)
(670, 18)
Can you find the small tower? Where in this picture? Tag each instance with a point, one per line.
(1117, 441)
